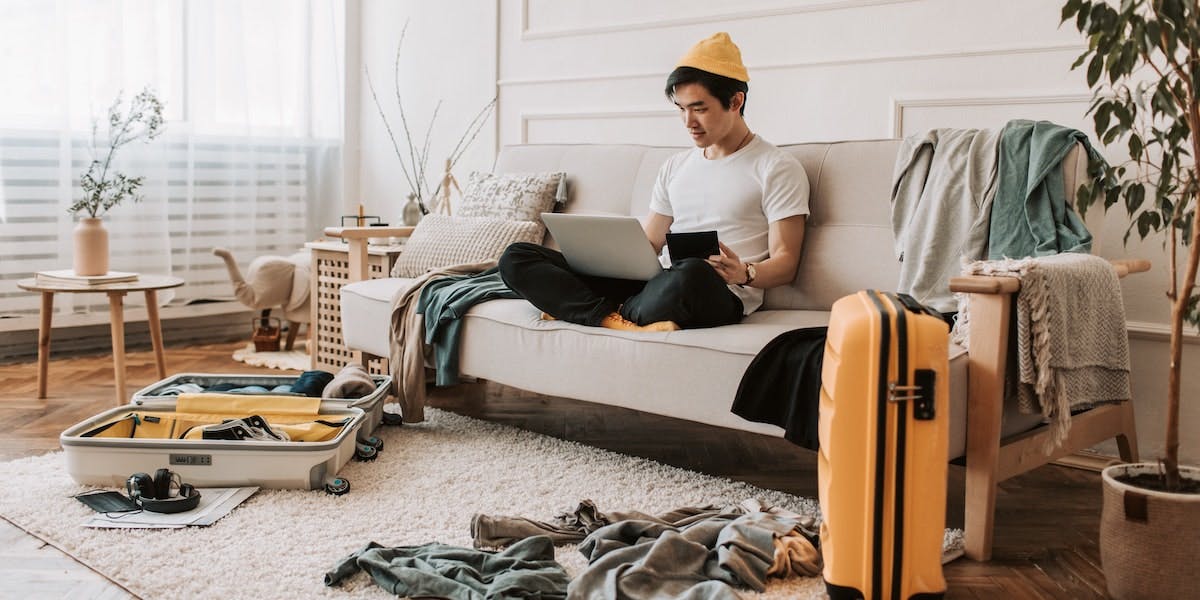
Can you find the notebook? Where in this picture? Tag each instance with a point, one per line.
(604, 245)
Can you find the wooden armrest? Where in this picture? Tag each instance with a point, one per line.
(988, 284)
(984, 284)
(359, 233)
(1131, 265)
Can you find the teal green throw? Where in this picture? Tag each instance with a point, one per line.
(1031, 214)
(444, 301)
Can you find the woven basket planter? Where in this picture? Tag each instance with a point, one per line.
(1149, 540)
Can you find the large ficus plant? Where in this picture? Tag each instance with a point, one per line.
(1143, 65)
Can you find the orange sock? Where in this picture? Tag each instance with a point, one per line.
(616, 321)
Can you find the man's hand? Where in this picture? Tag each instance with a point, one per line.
(728, 266)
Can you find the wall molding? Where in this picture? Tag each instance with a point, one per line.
(587, 115)
(811, 64)
(900, 104)
(1159, 332)
(736, 15)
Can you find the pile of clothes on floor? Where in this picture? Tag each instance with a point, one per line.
(694, 552)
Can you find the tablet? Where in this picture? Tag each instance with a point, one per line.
(697, 244)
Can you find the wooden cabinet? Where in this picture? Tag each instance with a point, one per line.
(331, 269)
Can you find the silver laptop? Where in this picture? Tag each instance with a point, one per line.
(604, 245)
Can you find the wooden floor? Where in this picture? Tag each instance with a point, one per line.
(1046, 537)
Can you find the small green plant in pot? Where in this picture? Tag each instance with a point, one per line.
(1143, 65)
(103, 186)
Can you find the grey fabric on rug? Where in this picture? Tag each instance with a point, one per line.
(498, 531)
(524, 570)
(707, 559)
(784, 544)
(423, 488)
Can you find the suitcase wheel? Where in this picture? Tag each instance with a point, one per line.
(364, 452)
(373, 442)
(337, 486)
(392, 418)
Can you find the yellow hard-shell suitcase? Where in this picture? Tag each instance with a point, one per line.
(883, 431)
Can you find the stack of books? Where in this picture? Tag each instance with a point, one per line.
(69, 276)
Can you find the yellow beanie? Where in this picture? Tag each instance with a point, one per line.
(716, 54)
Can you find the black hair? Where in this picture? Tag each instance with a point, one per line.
(722, 88)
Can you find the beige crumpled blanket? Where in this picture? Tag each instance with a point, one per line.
(407, 340)
(1072, 347)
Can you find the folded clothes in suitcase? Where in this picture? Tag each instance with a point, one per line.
(881, 467)
(311, 439)
(371, 404)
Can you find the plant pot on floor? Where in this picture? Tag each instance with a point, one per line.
(1149, 540)
(91, 247)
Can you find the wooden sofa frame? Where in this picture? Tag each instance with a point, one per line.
(989, 458)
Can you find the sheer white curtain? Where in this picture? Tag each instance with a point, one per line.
(252, 141)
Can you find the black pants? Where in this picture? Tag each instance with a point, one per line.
(690, 293)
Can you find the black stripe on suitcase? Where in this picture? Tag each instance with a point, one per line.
(901, 444)
(885, 345)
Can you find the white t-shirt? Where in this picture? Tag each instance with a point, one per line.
(738, 195)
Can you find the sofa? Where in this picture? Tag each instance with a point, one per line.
(694, 374)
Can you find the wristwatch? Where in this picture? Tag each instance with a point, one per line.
(750, 274)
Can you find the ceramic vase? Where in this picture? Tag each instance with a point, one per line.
(1149, 540)
(412, 211)
(91, 247)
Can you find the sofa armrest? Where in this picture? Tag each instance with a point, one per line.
(356, 240)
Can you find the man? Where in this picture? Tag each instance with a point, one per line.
(753, 194)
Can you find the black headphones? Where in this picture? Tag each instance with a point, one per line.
(154, 493)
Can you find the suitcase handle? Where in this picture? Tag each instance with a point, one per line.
(914, 306)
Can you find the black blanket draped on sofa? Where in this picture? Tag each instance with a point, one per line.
(782, 385)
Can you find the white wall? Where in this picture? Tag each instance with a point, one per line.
(449, 55)
(820, 70)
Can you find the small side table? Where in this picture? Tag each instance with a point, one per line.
(333, 265)
(150, 284)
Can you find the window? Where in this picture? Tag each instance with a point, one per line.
(253, 107)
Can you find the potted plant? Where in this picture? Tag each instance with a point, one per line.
(103, 186)
(1142, 61)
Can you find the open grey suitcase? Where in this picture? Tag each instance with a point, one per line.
(372, 404)
(106, 448)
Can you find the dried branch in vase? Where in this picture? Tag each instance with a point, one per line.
(414, 156)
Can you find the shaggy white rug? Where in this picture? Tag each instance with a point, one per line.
(426, 484)
(296, 359)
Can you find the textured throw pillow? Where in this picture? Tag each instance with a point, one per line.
(442, 241)
(511, 197)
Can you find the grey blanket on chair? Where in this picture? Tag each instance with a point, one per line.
(1072, 348)
(942, 191)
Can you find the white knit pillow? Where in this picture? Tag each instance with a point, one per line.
(442, 241)
(512, 197)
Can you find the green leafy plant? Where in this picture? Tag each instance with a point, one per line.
(1143, 65)
(414, 157)
(104, 187)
